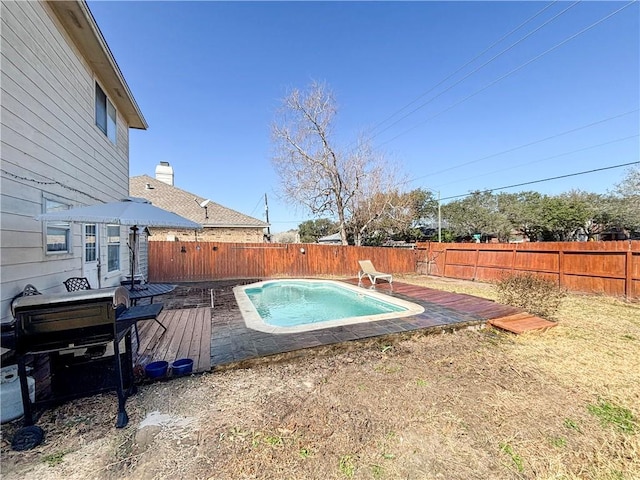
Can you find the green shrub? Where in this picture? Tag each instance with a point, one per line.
(532, 293)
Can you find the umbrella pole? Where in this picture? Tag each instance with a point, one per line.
(134, 229)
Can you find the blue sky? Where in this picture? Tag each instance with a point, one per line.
(209, 76)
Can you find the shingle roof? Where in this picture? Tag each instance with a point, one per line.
(186, 204)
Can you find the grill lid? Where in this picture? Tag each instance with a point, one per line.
(105, 294)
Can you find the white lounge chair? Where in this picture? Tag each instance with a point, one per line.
(370, 271)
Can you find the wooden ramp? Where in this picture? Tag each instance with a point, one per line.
(520, 323)
(188, 335)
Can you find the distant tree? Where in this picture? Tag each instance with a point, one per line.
(314, 172)
(629, 187)
(523, 212)
(311, 230)
(564, 217)
(475, 214)
(290, 236)
(595, 210)
(382, 216)
(379, 208)
(625, 201)
(420, 209)
(425, 206)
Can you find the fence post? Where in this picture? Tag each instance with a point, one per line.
(444, 263)
(475, 263)
(560, 267)
(628, 280)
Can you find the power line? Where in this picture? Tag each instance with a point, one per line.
(256, 206)
(544, 180)
(564, 154)
(508, 74)
(476, 69)
(458, 70)
(534, 142)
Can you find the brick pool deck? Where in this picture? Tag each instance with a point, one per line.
(232, 341)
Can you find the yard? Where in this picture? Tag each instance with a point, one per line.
(472, 404)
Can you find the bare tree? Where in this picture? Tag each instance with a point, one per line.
(313, 172)
(384, 211)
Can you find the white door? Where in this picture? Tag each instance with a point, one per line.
(91, 255)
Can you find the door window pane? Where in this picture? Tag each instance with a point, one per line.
(90, 243)
(113, 247)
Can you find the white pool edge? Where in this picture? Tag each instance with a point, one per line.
(253, 320)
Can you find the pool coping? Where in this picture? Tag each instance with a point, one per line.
(254, 321)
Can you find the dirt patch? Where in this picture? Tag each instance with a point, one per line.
(472, 404)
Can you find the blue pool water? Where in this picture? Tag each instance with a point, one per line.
(287, 303)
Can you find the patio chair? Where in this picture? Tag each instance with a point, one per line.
(26, 291)
(74, 284)
(370, 271)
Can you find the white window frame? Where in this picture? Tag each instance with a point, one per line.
(113, 246)
(51, 204)
(106, 114)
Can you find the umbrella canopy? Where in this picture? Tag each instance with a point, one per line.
(128, 211)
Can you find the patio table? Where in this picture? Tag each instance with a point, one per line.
(149, 290)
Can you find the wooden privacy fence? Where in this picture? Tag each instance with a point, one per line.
(611, 268)
(203, 261)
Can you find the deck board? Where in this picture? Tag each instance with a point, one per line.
(188, 334)
(190, 327)
(204, 363)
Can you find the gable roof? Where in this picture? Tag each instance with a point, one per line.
(187, 205)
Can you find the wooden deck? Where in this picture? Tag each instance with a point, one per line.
(504, 317)
(188, 335)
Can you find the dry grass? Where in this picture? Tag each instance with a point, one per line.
(473, 404)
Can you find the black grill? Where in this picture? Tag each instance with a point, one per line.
(88, 318)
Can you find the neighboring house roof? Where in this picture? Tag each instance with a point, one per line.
(187, 204)
(78, 22)
(335, 238)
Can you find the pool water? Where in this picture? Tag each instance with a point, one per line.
(295, 303)
(281, 306)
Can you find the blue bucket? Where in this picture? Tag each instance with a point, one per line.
(156, 369)
(184, 366)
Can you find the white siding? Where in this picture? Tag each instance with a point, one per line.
(49, 145)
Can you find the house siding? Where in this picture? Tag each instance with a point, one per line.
(50, 147)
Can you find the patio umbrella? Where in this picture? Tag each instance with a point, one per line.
(131, 211)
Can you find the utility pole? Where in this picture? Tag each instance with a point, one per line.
(266, 212)
(439, 219)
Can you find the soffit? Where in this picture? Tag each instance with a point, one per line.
(78, 22)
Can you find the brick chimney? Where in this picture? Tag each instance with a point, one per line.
(164, 173)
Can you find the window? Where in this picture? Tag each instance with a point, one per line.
(90, 243)
(105, 115)
(58, 233)
(113, 247)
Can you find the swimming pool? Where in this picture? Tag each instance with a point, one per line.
(289, 306)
